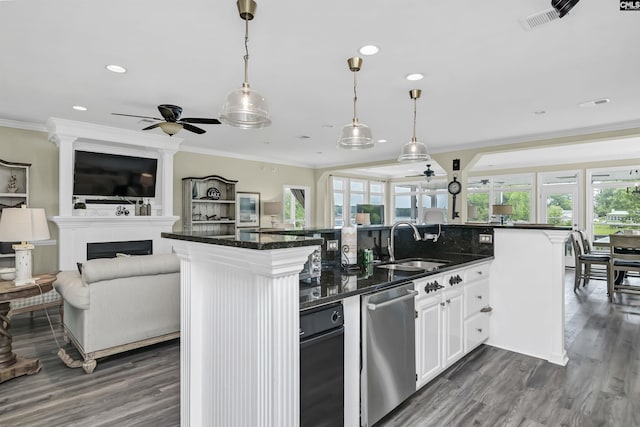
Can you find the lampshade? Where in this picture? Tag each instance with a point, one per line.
(355, 135)
(170, 128)
(472, 211)
(245, 108)
(272, 208)
(414, 150)
(23, 224)
(363, 218)
(502, 209)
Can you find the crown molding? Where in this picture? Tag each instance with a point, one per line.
(23, 125)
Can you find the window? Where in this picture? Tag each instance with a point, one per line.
(514, 190)
(410, 199)
(356, 192)
(614, 204)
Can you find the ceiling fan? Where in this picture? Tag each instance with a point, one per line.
(172, 123)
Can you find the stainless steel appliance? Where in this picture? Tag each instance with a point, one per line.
(322, 366)
(388, 373)
(313, 267)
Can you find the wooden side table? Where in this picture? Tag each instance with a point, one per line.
(11, 365)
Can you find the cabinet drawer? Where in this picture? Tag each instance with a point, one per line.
(476, 331)
(476, 296)
(477, 272)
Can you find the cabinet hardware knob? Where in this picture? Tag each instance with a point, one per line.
(442, 304)
(448, 301)
(479, 297)
(486, 310)
(479, 329)
(480, 273)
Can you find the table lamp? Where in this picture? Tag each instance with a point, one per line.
(273, 209)
(363, 218)
(23, 225)
(502, 211)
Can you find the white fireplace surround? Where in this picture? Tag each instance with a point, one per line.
(76, 231)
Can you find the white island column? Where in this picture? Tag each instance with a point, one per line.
(527, 292)
(239, 350)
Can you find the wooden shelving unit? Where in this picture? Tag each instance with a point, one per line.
(14, 192)
(209, 205)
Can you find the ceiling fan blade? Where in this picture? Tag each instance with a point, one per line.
(140, 117)
(200, 120)
(192, 128)
(171, 113)
(152, 126)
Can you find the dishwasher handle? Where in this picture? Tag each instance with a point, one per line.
(409, 295)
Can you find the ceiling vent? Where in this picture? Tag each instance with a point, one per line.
(539, 18)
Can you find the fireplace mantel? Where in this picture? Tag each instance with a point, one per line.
(76, 231)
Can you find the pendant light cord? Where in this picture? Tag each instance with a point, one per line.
(246, 50)
(414, 120)
(355, 98)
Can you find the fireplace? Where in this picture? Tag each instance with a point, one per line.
(110, 249)
(75, 232)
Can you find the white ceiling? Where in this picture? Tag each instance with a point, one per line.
(485, 76)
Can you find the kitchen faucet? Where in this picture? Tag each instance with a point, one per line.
(391, 240)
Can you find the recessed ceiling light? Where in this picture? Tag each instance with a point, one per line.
(328, 126)
(415, 76)
(369, 49)
(381, 141)
(267, 142)
(539, 112)
(116, 68)
(79, 108)
(304, 137)
(595, 102)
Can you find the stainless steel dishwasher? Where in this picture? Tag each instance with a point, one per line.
(388, 374)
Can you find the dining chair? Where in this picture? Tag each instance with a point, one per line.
(585, 261)
(625, 257)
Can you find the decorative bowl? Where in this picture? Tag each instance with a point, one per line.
(8, 273)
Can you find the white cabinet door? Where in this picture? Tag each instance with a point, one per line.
(453, 326)
(428, 339)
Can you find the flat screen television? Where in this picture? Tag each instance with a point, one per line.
(102, 174)
(376, 212)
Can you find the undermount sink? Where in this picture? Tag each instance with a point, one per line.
(413, 265)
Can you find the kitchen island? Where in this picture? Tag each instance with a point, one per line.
(240, 315)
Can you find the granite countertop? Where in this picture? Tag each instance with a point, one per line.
(335, 284)
(248, 240)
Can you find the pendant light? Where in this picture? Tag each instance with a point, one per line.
(245, 108)
(414, 150)
(355, 135)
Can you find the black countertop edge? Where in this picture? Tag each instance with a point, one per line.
(402, 278)
(249, 240)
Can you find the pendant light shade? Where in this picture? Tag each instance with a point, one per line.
(414, 150)
(245, 108)
(355, 135)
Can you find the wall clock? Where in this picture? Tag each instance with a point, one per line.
(454, 189)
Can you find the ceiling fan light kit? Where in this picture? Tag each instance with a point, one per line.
(245, 108)
(355, 135)
(170, 128)
(414, 150)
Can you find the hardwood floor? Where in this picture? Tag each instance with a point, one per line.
(490, 387)
(600, 386)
